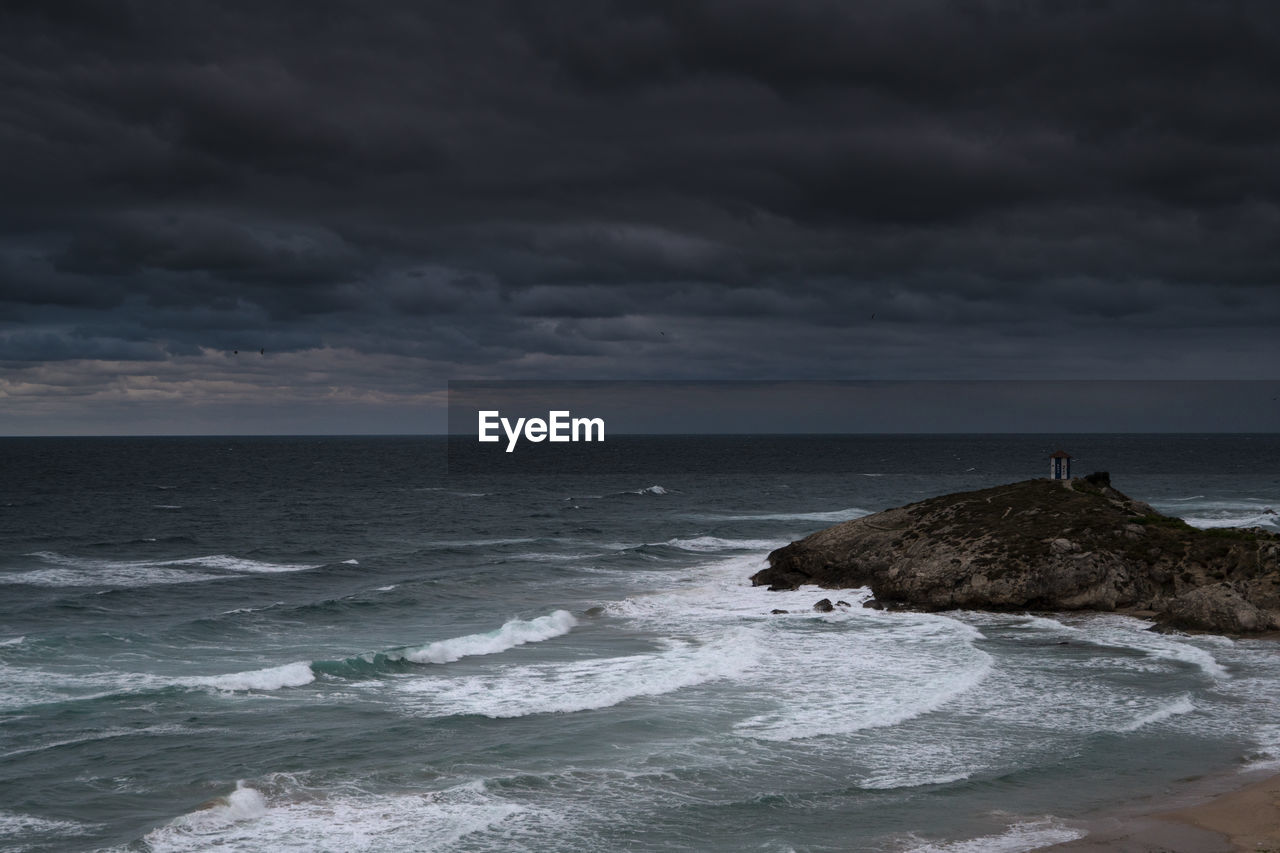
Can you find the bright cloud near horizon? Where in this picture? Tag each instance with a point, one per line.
(222, 218)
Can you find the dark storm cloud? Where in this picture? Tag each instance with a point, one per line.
(700, 188)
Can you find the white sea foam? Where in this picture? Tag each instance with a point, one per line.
(242, 565)
(1268, 752)
(809, 684)
(1218, 522)
(271, 678)
(834, 515)
(12, 641)
(903, 670)
(517, 632)
(586, 685)
(1127, 632)
(1020, 837)
(24, 686)
(909, 778)
(165, 506)
(67, 571)
(17, 827)
(650, 490)
(1180, 705)
(286, 818)
(715, 543)
(350, 562)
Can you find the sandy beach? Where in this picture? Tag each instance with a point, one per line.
(1244, 819)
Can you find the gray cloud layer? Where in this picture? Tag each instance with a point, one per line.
(383, 197)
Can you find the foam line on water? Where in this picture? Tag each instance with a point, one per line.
(1130, 633)
(905, 778)
(67, 571)
(108, 734)
(835, 515)
(15, 826)
(229, 563)
(284, 816)
(706, 544)
(1180, 705)
(1018, 838)
(24, 686)
(585, 685)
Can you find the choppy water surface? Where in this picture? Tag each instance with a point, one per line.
(330, 644)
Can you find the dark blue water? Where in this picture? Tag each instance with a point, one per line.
(335, 644)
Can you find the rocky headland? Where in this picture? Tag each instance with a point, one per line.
(1045, 545)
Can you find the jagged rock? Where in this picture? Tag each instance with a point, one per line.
(824, 606)
(1044, 545)
(872, 604)
(843, 604)
(777, 612)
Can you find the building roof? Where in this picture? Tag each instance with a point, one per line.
(1060, 454)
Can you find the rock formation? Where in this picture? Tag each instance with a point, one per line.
(1045, 545)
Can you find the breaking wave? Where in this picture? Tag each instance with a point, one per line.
(517, 632)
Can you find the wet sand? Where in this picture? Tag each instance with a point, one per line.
(1244, 819)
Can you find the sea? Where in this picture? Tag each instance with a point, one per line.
(344, 644)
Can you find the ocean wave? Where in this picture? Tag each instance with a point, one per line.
(888, 780)
(585, 685)
(279, 814)
(229, 563)
(1267, 739)
(1128, 633)
(514, 633)
(67, 571)
(294, 674)
(906, 672)
(1237, 519)
(108, 734)
(835, 515)
(1180, 705)
(13, 641)
(18, 827)
(703, 544)
(27, 686)
(1018, 838)
(647, 490)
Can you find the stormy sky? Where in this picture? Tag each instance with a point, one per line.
(369, 200)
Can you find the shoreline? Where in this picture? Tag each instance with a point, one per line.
(1220, 813)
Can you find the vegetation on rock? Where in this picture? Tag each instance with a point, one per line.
(1045, 545)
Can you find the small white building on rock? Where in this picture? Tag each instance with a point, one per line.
(1060, 465)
